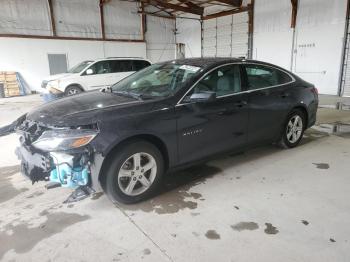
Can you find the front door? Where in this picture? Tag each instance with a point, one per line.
(206, 128)
(97, 76)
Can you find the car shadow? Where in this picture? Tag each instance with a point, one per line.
(176, 192)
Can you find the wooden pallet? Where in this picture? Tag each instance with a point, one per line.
(11, 86)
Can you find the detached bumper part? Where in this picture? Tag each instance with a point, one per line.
(72, 173)
(11, 128)
(33, 165)
(80, 193)
(67, 173)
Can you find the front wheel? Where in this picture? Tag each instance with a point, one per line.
(293, 129)
(73, 90)
(134, 173)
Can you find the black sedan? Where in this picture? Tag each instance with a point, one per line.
(125, 138)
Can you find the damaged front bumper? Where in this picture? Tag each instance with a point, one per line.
(35, 166)
(76, 168)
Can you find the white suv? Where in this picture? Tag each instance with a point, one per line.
(89, 75)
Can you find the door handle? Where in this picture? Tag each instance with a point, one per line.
(233, 109)
(240, 103)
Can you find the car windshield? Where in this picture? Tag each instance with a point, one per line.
(79, 67)
(159, 80)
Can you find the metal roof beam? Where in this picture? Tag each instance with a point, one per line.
(229, 12)
(165, 5)
(235, 3)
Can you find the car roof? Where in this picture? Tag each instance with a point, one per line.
(208, 62)
(122, 58)
(205, 61)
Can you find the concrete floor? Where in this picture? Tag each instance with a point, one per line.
(267, 204)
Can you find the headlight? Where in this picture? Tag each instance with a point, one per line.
(54, 90)
(53, 87)
(54, 84)
(64, 139)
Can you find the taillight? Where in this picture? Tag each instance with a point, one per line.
(314, 90)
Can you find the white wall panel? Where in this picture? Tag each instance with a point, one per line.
(122, 20)
(189, 33)
(209, 37)
(240, 35)
(160, 38)
(78, 18)
(224, 36)
(273, 37)
(29, 56)
(319, 43)
(318, 39)
(73, 18)
(24, 17)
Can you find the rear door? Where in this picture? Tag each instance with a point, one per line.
(140, 64)
(120, 69)
(269, 101)
(206, 128)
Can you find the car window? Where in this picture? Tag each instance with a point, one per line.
(118, 66)
(158, 80)
(223, 81)
(140, 64)
(79, 67)
(98, 68)
(262, 76)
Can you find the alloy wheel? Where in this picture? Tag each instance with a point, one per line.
(294, 129)
(137, 174)
(73, 91)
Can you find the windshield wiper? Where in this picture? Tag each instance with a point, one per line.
(133, 95)
(128, 94)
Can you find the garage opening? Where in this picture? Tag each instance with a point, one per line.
(226, 36)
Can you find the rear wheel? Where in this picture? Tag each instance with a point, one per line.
(293, 129)
(73, 90)
(134, 173)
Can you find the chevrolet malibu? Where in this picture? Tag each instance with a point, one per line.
(125, 138)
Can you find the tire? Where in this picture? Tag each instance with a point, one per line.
(291, 138)
(73, 90)
(125, 181)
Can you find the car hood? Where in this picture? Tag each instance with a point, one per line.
(58, 76)
(80, 109)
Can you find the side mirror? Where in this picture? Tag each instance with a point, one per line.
(203, 97)
(89, 71)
